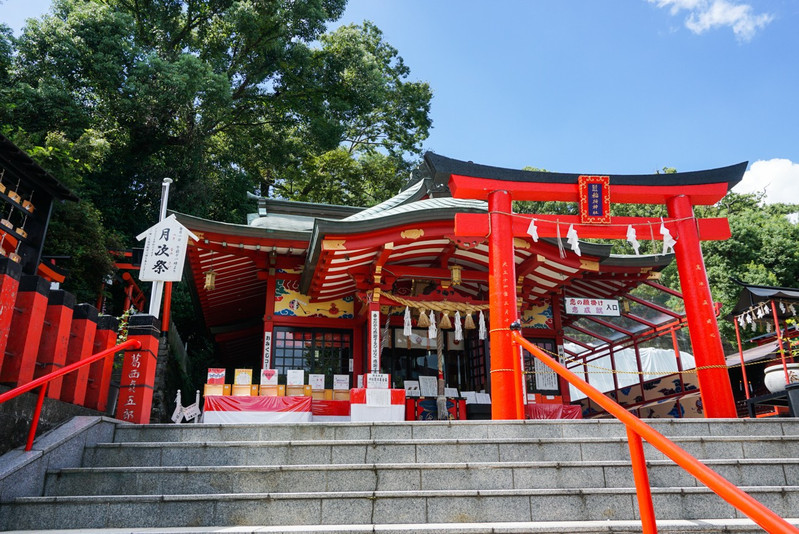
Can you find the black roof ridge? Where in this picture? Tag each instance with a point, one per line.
(441, 167)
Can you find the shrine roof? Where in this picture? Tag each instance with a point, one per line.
(752, 295)
(289, 228)
(18, 162)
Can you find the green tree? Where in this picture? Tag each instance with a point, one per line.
(223, 96)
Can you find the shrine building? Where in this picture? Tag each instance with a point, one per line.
(328, 289)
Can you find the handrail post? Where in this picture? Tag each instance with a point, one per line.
(642, 488)
(44, 381)
(35, 421)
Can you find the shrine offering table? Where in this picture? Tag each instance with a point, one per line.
(330, 410)
(273, 409)
(371, 405)
(227, 409)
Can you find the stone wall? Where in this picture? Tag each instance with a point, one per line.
(15, 417)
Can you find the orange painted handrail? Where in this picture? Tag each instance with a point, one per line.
(43, 382)
(725, 489)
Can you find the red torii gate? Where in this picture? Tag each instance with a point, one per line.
(679, 192)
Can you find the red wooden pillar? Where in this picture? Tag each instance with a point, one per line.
(269, 321)
(100, 371)
(506, 395)
(714, 381)
(10, 273)
(81, 342)
(138, 371)
(26, 330)
(55, 338)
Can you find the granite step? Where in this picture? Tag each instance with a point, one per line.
(449, 430)
(674, 526)
(421, 451)
(381, 507)
(142, 480)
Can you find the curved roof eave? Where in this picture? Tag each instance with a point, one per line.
(204, 225)
(324, 227)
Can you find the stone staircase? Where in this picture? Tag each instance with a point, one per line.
(449, 477)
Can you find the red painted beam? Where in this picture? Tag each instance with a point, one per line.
(479, 188)
(647, 228)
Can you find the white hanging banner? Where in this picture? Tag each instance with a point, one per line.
(573, 240)
(532, 231)
(633, 239)
(165, 246)
(374, 333)
(668, 240)
(267, 359)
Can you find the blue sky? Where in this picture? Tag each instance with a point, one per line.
(598, 87)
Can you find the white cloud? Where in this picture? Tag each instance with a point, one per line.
(704, 15)
(779, 178)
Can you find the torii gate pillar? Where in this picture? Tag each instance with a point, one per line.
(506, 402)
(714, 380)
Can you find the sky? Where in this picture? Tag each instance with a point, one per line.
(623, 87)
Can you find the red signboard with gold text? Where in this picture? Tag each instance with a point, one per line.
(594, 199)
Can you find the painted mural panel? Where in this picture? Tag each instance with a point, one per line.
(538, 317)
(289, 302)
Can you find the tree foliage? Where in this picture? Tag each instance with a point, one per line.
(223, 96)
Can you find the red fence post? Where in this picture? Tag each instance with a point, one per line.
(55, 338)
(10, 273)
(138, 371)
(100, 371)
(81, 340)
(26, 330)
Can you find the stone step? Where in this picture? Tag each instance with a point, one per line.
(420, 451)
(449, 430)
(380, 507)
(400, 477)
(675, 526)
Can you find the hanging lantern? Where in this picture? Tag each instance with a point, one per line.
(456, 274)
(445, 323)
(210, 280)
(468, 323)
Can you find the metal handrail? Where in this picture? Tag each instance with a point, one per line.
(636, 430)
(44, 381)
